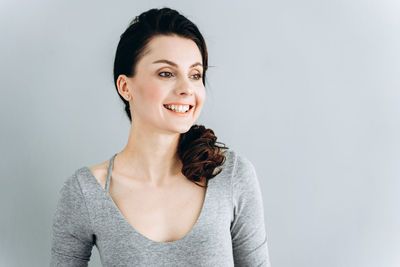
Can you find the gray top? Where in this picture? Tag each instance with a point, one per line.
(230, 230)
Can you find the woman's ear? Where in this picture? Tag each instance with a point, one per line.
(123, 87)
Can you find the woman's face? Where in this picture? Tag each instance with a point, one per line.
(170, 73)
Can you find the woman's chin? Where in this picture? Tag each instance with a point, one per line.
(181, 130)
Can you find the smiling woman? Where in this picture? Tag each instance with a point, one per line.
(159, 69)
(157, 85)
(172, 196)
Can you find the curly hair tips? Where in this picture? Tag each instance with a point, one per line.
(200, 153)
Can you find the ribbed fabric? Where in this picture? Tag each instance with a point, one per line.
(230, 230)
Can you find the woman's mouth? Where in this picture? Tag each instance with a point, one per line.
(181, 110)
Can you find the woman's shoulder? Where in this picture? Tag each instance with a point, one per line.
(241, 168)
(237, 168)
(99, 172)
(237, 160)
(87, 177)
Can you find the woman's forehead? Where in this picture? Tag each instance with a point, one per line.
(182, 51)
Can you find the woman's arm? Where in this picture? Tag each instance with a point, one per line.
(249, 239)
(72, 239)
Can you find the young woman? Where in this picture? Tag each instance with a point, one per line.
(172, 196)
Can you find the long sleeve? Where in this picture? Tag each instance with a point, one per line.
(249, 239)
(72, 239)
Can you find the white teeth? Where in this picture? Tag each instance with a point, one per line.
(178, 108)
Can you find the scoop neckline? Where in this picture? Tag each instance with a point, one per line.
(197, 224)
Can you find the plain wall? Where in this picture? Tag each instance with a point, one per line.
(307, 90)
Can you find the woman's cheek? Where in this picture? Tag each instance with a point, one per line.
(155, 94)
(202, 96)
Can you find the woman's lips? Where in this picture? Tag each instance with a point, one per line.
(180, 113)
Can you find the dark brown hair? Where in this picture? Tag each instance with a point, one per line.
(197, 148)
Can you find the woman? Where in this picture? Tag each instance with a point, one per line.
(172, 196)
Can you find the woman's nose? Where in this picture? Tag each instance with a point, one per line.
(185, 88)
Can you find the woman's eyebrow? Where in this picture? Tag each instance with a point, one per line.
(176, 65)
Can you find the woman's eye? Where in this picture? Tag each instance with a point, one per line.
(165, 72)
(198, 75)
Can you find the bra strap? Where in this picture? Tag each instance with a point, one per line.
(110, 165)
